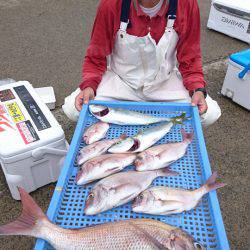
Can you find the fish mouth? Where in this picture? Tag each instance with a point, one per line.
(100, 113)
(135, 146)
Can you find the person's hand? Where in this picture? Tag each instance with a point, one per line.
(198, 100)
(83, 97)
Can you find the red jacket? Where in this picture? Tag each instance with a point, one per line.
(107, 23)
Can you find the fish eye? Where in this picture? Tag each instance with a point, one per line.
(91, 196)
(198, 245)
(141, 197)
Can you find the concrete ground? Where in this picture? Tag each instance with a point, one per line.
(44, 42)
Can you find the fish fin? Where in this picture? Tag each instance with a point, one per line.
(28, 220)
(211, 183)
(153, 240)
(187, 136)
(167, 172)
(173, 206)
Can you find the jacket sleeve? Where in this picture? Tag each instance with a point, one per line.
(188, 48)
(101, 43)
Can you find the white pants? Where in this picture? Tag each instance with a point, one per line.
(108, 91)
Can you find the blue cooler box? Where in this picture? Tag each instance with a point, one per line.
(237, 81)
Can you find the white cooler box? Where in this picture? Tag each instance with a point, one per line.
(237, 81)
(231, 17)
(32, 143)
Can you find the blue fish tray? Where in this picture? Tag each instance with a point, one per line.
(204, 223)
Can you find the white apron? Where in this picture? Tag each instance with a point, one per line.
(141, 70)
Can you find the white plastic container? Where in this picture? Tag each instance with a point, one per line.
(237, 81)
(47, 95)
(32, 143)
(231, 17)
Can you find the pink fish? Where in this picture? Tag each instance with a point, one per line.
(95, 132)
(161, 200)
(96, 149)
(163, 155)
(102, 166)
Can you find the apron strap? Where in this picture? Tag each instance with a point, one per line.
(125, 10)
(171, 14)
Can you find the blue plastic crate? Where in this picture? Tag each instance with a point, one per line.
(204, 223)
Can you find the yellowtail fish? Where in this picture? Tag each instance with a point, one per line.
(131, 234)
(97, 148)
(163, 155)
(102, 166)
(120, 188)
(95, 132)
(123, 116)
(146, 138)
(161, 200)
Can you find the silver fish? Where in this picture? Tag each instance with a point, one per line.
(120, 188)
(123, 116)
(130, 234)
(163, 155)
(97, 148)
(145, 139)
(95, 132)
(102, 166)
(165, 200)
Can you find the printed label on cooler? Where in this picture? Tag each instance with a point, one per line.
(15, 112)
(27, 132)
(6, 95)
(33, 109)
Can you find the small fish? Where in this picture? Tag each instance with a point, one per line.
(145, 139)
(165, 200)
(95, 132)
(102, 166)
(97, 148)
(120, 188)
(135, 233)
(163, 155)
(123, 117)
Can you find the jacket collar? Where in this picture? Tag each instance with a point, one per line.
(162, 11)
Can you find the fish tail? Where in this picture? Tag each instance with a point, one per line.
(179, 119)
(28, 222)
(187, 136)
(211, 183)
(167, 172)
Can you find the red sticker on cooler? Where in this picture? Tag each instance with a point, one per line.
(5, 123)
(27, 132)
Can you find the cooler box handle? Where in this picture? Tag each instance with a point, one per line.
(40, 152)
(244, 71)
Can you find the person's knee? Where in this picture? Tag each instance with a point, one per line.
(69, 106)
(213, 113)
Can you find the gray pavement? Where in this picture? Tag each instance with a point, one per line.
(44, 42)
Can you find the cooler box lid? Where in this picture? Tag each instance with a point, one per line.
(242, 58)
(235, 4)
(26, 122)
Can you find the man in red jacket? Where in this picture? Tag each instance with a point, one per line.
(145, 50)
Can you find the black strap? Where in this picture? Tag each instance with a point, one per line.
(125, 10)
(172, 10)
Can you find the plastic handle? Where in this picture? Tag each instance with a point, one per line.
(40, 152)
(244, 71)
